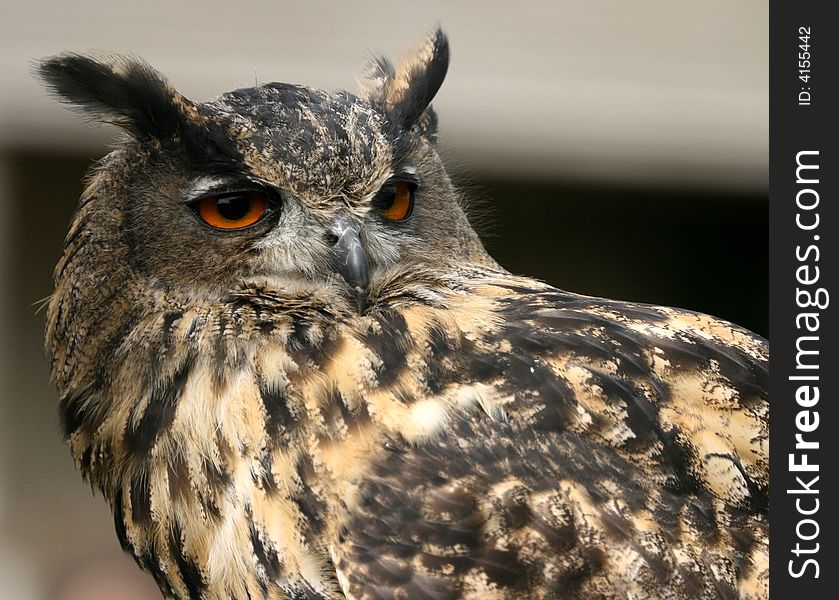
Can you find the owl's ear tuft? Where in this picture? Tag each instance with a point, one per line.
(406, 91)
(124, 91)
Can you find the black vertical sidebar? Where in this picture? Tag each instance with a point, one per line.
(803, 333)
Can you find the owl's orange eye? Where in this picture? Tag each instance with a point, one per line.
(234, 210)
(397, 200)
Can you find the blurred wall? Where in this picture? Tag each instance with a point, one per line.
(611, 148)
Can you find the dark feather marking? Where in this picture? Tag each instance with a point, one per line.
(516, 513)
(564, 319)
(266, 327)
(264, 477)
(169, 320)
(356, 416)
(211, 508)
(391, 345)
(505, 568)
(79, 227)
(85, 460)
(311, 506)
(151, 562)
(743, 540)
(525, 293)
(561, 538)
(646, 313)
(458, 565)
(73, 415)
(440, 344)
(569, 582)
(725, 591)
(266, 556)
(524, 338)
(633, 365)
(699, 512)
(618, 526)
(574, 332)
(278, 415)
(159, 414)
(106, 352)
(336, 412)
(221, 325)
(178, 477)
(484, 366)
(390, 573)
(730, 358)
(684, 355)
(86, 241)
(315, 352)
(225, 451)
(302, 593)
(692, 582)
(428, 588)
(167, 329)
(192, 329)
(218, 478)
(642, 419)
(560, 298)
(554, 393)
(222, 359)
(140, 494)
(119, 524)
(190, 572)
(757, 500)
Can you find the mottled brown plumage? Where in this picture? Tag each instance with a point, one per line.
(269, 419)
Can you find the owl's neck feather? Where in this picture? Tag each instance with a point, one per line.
(230, 438)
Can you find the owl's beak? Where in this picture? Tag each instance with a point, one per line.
(350, 260)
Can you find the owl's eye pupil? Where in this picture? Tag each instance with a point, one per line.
(234, 210)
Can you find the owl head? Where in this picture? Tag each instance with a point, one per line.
(278, 182)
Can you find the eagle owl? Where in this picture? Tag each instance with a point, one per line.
(290, 366)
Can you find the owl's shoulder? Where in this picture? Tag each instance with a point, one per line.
(551, 440)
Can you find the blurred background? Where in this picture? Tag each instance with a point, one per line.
(611, 148)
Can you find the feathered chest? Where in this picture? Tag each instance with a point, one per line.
(239, 446)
